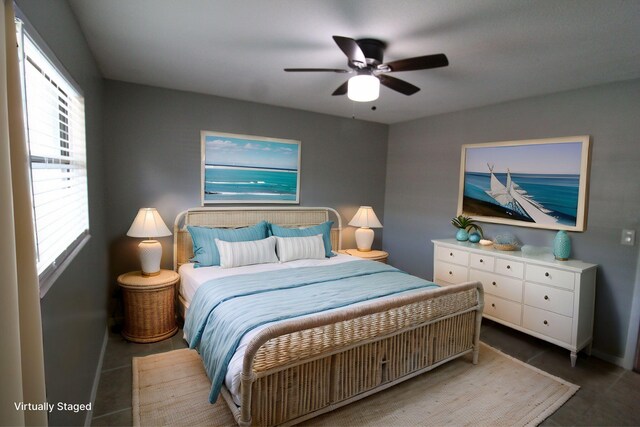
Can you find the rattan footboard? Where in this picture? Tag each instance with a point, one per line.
(298, 369)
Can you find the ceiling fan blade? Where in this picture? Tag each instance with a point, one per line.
(398, 85)
(419, 63)
(307, 70)
(342, 90)
(351, 49)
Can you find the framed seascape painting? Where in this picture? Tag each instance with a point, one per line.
(540, 183)
(249, 169)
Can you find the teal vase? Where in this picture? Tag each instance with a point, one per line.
(462, 235)
(474, 237)
(562, 246)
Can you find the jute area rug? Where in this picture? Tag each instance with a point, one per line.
(172, 389)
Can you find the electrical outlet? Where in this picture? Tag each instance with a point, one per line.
(628, 237)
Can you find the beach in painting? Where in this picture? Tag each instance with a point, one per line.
(246, 169)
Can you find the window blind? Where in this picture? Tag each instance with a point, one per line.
(55, 128)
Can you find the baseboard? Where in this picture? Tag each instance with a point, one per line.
(619, 361)
(96, 379)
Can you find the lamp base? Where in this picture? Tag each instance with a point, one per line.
(364, 239)
(150, 252)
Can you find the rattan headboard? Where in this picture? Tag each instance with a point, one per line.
(236, 217)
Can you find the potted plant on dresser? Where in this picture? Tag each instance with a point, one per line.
(464, 224)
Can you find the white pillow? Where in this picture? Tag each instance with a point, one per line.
(293, 248)
(237, 254)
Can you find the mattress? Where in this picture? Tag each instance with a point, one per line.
(192, 278)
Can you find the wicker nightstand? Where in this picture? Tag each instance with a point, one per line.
(149, 305)
(373, 255)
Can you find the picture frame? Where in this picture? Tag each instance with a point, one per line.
(539, 183)
(239, 168)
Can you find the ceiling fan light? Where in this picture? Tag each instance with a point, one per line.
(363, 88)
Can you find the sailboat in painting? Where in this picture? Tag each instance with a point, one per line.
(516, 199)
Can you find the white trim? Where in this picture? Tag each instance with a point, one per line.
(46, 284)
(634, 324)
(96, 380)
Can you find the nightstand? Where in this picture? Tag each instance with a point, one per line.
(373, 255)
(149, 305)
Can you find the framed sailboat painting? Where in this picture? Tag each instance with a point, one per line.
(541, 183)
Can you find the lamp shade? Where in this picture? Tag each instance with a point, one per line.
(363, 88)
(365, 217)
(147, 224)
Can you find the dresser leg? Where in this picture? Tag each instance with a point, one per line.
(574, 357)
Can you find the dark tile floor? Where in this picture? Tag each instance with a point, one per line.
(609, 395)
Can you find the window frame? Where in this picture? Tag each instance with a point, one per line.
(52, 272)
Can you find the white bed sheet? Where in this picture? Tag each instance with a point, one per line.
(192, 278)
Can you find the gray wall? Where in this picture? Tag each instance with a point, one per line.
(74, 314)
(152, 141)
(423, 167)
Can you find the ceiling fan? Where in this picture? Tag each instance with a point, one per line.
(365, 59)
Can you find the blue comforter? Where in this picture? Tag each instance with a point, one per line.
(223, 310)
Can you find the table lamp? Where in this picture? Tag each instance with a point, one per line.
(366, 219)
(148, 224)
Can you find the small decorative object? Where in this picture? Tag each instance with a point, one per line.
(485, 242)
(148, 224)
(474, 237)
(464, 224)
(505, 242)
(562, 246)
(366, 219)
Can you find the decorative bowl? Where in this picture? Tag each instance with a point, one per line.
(505, 242)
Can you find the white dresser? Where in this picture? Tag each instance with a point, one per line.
(551, 300)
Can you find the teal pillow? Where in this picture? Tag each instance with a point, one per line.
(324, 229)
(205, 250)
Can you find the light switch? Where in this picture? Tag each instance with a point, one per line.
(628, 237)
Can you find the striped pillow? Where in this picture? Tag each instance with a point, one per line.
(293, 248)
(237, 254)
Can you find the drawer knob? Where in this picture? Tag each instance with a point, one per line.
(450, 253)
(451, 272)
(481, 260)
(508, 267)
(545, 322)
(494, 283)
(546, 274)
(493, 305)
(546, 297)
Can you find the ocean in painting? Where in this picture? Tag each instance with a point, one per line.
(556, 192)
(226, 183)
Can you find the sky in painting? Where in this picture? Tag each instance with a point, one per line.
(561, 158)
(228, 151)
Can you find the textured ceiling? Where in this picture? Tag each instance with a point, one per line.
(498, 50)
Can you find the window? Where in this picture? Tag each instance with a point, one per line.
(55, 130)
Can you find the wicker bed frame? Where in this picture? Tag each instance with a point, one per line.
(298, 369)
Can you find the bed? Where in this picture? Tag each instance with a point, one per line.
(294, 369)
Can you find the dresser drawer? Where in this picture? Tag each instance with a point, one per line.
(510, 268)
(547, 323)
(550, 276)
(454, 256)
(481, 262)
(504, 287)
(450, 273)
(499, 308)
(550, 299)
